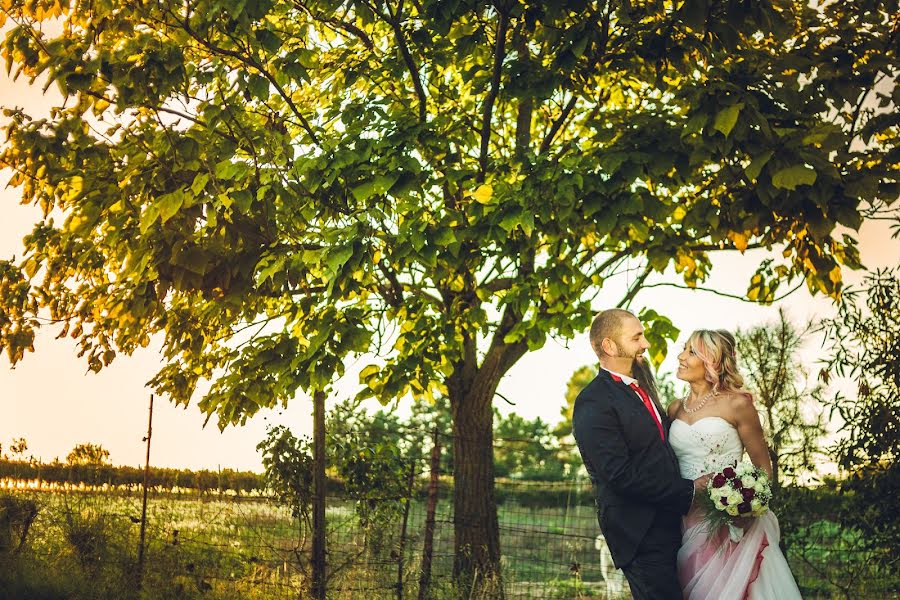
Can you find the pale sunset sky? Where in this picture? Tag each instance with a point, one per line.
(55, 403)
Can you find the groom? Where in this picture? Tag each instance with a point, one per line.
(622, 434)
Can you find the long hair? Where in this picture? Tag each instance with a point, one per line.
(718, 351)
(645, 378)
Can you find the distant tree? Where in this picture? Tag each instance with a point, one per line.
(790, 406)
(18, 448)
(577, 382)
(865, 346)
(865, 342)
(667, 389)
(88, 455)
(526, 449)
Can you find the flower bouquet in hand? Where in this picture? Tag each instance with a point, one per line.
(739, 491)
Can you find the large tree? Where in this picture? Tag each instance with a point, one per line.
(272, 186)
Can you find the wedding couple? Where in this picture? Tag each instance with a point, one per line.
(647, 464)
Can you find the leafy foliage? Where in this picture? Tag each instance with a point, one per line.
(329, 168)
(527, 449)
(865, 343)
(793, 416)
(865, 338)
(88, 454)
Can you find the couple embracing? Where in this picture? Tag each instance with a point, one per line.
(648, 464)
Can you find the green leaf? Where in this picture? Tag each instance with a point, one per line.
(258, 86)
(169, 204)
(149, 217)
(727, 118)
(337, 258)
(199, 183)
(791, 177)
(756, 165)
(375, 187)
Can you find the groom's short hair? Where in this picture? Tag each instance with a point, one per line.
(607, 324)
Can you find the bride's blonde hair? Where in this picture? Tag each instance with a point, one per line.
(718, 351)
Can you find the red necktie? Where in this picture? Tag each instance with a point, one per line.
(649, 406)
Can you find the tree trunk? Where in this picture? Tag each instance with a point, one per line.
(476, 566)
(776, 484)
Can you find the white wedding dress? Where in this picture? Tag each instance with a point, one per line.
(710, 565)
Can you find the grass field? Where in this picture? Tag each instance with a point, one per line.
(85, 546)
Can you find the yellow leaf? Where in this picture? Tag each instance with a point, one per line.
(685, 263)
(835, 275)
(678, 213)
(483, 194)
(740, 241)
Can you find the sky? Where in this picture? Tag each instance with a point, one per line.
(54, 402)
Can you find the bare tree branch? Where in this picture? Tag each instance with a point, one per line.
(499, 55)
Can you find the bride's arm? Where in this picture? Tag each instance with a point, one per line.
(746, 420)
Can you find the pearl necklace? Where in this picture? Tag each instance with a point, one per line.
(689, 411)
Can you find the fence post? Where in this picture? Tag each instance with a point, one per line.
(428, 551)
(318, 541)
(409, 493)
(140, 565)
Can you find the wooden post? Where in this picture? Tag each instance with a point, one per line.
(428, 551)
(402, 550)
(318, 541)
(144, 502)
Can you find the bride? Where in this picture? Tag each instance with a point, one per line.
(711, 428)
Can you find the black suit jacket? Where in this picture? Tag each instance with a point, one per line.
(634, 472)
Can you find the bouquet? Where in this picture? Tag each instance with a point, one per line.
(739, 491)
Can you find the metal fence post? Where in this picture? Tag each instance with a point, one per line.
(140, 565)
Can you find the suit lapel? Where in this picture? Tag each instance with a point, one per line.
(631, 394)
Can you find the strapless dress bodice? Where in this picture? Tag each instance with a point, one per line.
(706, 446)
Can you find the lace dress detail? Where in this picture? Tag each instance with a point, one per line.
(710, 565)
(705, 446)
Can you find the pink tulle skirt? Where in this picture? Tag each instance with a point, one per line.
(713, 567)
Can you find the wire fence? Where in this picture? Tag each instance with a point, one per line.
(248, 546)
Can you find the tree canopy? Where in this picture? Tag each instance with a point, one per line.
(457, 170)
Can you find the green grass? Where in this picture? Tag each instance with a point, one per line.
(83, 546)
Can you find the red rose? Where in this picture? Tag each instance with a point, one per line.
(719, 481)
(744, 507)
(748, 494)
(728, 472)
(724, 500)
(737, 484)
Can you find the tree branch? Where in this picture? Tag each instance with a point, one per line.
(394, 22)
(635, 287)
(557, 124)
(499, 55)
(724, 294)
(339, 24)
(251, 62)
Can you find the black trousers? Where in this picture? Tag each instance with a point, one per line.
(652, 574)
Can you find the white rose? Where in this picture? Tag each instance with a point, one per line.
(732, 510)
(748, 481)
(734, 496)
